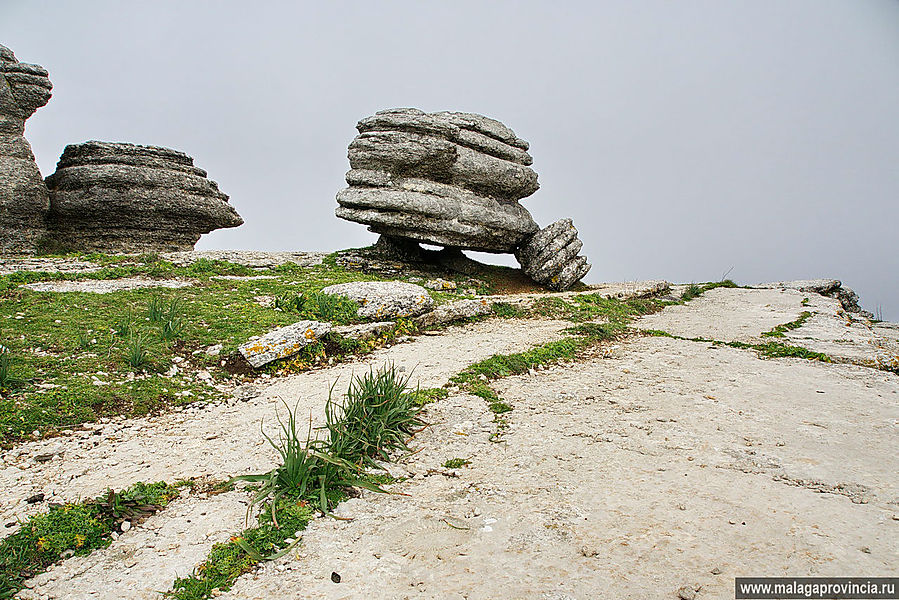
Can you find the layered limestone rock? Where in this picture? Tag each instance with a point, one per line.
(115, 197)
(550, 256)
(450, 179)
(23, 196)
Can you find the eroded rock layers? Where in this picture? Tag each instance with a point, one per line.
(550, 256)
(23, 196)
(450, 179)
(115, 197)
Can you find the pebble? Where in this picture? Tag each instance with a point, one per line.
(686, 593)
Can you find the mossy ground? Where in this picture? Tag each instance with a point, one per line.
(68, 353)
(73, 530)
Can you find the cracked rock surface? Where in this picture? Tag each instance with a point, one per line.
(651, 465)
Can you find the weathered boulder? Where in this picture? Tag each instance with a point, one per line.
(454, 311)
(384, 299)
(450, 179)
(23, 196)
(116, 197)
(550, 256)
(832, 288)
(283, 342)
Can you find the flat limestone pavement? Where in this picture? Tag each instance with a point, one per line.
(669, 467)
(661, 467)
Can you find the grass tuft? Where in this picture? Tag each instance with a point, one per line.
(316, 306)
(137, 353)
(780, 330)
(693, 290)
(375, 419)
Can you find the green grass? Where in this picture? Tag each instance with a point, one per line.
(228, 561)
(766, 350)
(693, 290)
(456, 463)
(779, 350)
(316, 306)
(421, 397)
(780, 330)
(50, 337)
(375, 420)
(73, 530)
(504, 310)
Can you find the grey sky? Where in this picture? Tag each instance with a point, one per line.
(684, 138)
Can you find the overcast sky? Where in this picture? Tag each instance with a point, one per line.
(684, 138)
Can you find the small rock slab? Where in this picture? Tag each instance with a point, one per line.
(384, 299)
(454, 311)
(363, 331)
(105, 286)
(283, 342)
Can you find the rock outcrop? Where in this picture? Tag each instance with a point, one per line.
(115, 197)
(450, 179)
(550, 256)
(23, 196)
(832, 288)
(384, 299)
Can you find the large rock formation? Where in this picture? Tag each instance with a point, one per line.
(550, 256)
(23, 197)
(447, 178)
(114, 197)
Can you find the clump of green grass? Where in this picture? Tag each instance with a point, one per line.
(317, 306)
(228, 561)
(778, 350)
(456, 463)
(693, 290)
(155, 308)
(307, 471)
(85, 339)
(137, 353)
(805, 302)
(767, 350)
(124, 325)
(504, 310)
(171, 329)
(780, 330)
(8, 378)
(421, 397)
(376, 419)
(73, 529)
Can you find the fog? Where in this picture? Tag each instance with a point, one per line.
(686, 139)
